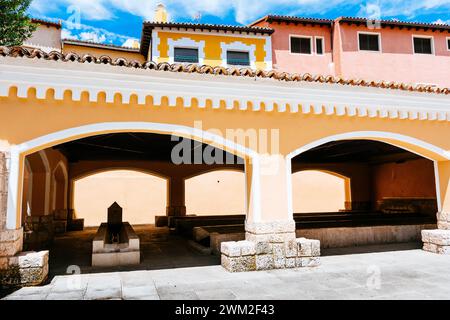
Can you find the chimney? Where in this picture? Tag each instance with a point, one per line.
(161, 14)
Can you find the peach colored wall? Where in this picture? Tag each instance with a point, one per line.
(413, 178)
(284, 60)
(397, 62)
(141, 196)
(315, 191)
(216, 193)
(114, 54)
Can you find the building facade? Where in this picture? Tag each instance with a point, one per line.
(69, 114)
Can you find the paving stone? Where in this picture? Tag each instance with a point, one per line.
(217, 294)
(145, 291)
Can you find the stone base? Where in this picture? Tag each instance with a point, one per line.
(176, 211)
(436, 241)
(252, 256)
(116, 259)
(24, 269)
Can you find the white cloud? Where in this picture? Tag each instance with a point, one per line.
(440, 21)
(244, 11)
(92, 36)
(129, 43)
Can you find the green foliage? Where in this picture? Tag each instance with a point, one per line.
(15, 24)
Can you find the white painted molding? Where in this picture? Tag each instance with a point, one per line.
(302, 97)
(187, 43)
(238, 46)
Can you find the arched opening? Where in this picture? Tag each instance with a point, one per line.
(94, 163)
(391, 194)
(310, 187)
(226, 187)
(142, 196)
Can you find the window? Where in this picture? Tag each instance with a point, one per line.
(319, 46)
(448, 43)
(423, 45)
(301, 45)
(238, 58)
(186, 55)
(369, 42)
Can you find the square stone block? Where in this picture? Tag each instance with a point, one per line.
(264, 262)
(279, 262)
(315, 248)
(230, 248)
(436, 236)
(304, 247)
(445, 225)
(290, 248)
(278, 250)
(248, 248)
(263, 248)
(290, 263)
(238, 264)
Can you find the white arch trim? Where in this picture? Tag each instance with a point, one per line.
(374, 135)
(19, 151)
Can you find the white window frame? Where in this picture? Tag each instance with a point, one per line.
(447, 43)
(323, 45)
(304, 37)
(238, 46)
(238, 65)
(188, 44)
(433, 50)
(380, 48)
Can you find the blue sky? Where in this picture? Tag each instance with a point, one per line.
(120, 21)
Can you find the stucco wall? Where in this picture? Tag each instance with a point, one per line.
(286, 61)
(315, 191)
(216, 193)
(47, 38)
(413, 178)
(114, 54)
(140, 195)
(396, 62)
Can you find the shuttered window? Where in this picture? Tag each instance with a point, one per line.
(301, 45)
(319, 46)
(238, 58)
(369, 42)
(423, 45)
(186, 55)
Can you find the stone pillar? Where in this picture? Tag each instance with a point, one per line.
(176, 206)
(16, 268)
(271, 241)
(438, 240)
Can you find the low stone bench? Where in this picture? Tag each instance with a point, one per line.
(246, 255)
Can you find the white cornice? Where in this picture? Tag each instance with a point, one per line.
(250, 93)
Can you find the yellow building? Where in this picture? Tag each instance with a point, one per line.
(64, 116)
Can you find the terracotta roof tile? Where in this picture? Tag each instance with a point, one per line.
(205, 69)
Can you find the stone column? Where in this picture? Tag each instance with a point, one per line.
(16, 267)
(438, 240)
(271, 241)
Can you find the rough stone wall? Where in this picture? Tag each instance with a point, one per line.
(250, 256)
(436, 241)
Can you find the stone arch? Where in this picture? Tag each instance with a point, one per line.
(19, 152)
(414, 145)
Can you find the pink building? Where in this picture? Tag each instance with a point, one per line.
(405, 52)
